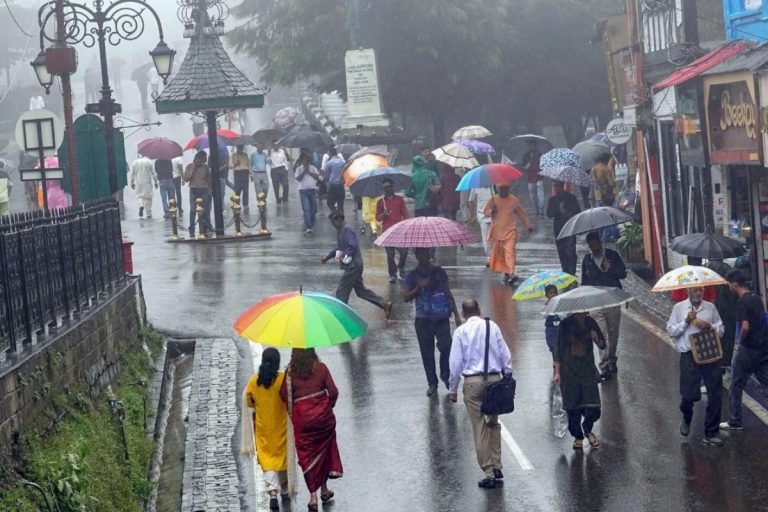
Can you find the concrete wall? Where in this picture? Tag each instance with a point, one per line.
(83, 353)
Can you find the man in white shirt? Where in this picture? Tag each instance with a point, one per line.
(278, 160)
(467, 360)
(692, 316)
(478, 198)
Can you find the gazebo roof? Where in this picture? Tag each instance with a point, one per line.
(208, 80)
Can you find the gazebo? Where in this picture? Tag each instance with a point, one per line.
(208, 83)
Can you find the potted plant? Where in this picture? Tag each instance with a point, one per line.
(630, 243)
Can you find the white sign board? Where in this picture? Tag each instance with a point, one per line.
(38, 129)
(618, 131)
(363, 98)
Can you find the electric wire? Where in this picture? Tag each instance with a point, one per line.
(15, 21)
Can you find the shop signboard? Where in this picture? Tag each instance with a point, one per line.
(732, 119)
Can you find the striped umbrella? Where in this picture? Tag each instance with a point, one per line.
(456, 155)
(474, 131)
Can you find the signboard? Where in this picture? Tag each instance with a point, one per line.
(38, 130)
(618, 131)
(630, 116)
(732, 119)
(363, 98)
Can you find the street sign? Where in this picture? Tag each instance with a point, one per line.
(53, 173)
(39, 130)
(618, 131)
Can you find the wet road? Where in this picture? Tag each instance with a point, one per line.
(404, 451)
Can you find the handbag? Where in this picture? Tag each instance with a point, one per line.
(499, 396)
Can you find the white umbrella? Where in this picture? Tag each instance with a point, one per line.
(456, 155)
(585, 299)
(474, 131)
(687, 276)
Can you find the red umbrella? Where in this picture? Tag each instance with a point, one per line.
(201, 142)
(160, 148)
(425, 232)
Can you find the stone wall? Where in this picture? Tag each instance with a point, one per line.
(80, 354)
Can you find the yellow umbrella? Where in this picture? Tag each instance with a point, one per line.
(354, 168)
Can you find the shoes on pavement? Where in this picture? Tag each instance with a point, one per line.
(685, 427)
(312, 507)
(431, 390)
(727, 426)
(513, 279)
(273, 504)
(362, 231)
(703, 389)
(309, 230)
(713, 441)
(388, 309)
(141, 211)
(392, 279)
(166, 215)
(326, 497)
(593, 442)
(149, 215)
(487, 483)
(497, 474)
(401, 273)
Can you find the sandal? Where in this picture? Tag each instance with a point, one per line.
(326, 497)
(593, 442)
(578, 444)
(312, 507)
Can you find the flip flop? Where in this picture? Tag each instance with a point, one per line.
(326, 497)
(593, 442)
(578, 444)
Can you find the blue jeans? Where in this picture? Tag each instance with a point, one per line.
(167, 191)
(536, 191)
(309, 206)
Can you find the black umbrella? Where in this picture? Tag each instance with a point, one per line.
(594, 219)
(707, 245)
(267, 135)
(305, 137)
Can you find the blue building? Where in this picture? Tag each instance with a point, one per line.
(746, 19)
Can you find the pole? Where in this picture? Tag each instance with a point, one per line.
(213, 159)
(107, 104)
(66, 90)
(41, 156)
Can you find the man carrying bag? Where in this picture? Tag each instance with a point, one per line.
(480, 355)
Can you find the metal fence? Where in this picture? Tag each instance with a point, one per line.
(53, 264)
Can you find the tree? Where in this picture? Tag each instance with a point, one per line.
(15, 43)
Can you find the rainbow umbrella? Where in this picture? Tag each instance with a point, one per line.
(300, 320)
(533, 287)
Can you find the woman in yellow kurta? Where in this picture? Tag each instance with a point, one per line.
(269, 422)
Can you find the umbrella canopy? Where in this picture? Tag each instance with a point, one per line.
(287, 117)
(201, 142)
(560, 157)
(160, 148)
(267, 135)
(371, 183)
(245, 140)
(348, 148)
(589, 150)
(687, 276)
(425, 232)
(369, 150)
(533, 287)
(594, 219)
(707, 245)
(474, 131)
(585, 299)
(305, 137)
(487, 175)
(569, 175)
(476, 146)
(456, 155)
(357, 166)
(300, 320)
(517, 146)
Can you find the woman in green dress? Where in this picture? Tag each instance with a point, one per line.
(577, 375)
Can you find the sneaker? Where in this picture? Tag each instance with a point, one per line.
(497, 474)
(149, 215)
(713, 441)
(392, 279)
(141, 211)
(727, 426)
(273, 504)
(685, 427)
(401, 272)
(487, 483)
(431, 390)
(309, 230)
(703, 390)
(505, 279)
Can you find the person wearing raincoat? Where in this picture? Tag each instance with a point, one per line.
(265, 428)
(423, 181)
(369, 215)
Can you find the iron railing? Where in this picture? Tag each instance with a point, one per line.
(53, 264)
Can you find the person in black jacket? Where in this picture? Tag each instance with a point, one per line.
(604, 267)
(561, 207)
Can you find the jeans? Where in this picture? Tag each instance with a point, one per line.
(336, 197)
(747, 361)
(177, 187)
(536, 191)
(309, 206)
(167, 191)
(691, 375)
(194, 194)
(393, 267)
(242, 186)
(566, 251)
(279, 177)
(260, 184)
(427, 331)
(576, 427)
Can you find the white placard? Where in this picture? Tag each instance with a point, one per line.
(363, 98)
(618, 131)
(51, 131)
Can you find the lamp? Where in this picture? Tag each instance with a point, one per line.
(162, 56)
(40, 65)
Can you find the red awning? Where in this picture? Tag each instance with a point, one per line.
(702, 64)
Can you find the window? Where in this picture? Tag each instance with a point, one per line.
(750, 5)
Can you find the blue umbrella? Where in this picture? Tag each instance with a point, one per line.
(560, 157)
(370, 183)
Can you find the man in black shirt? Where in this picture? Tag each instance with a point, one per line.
(752, 357)
(164, 170)
(604, 267)
(561, 207)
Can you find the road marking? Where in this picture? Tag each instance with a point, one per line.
(757, 409)
(525, 463)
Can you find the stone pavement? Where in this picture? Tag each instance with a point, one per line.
(658, 305)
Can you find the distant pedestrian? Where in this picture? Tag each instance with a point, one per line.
(532, 167)
(278, 159)
(36, 102)
(450, 200)
(198, 124)
(390, 210)
(5, 190)
(505, 211)
(552, 322)
(688, 317)
(310, 393)
(606, 190)
(468, 360)
(752, 356)
(347, 253)
(332, 169)
(268, 426)
(369, 216)
(478, 198)
(561, 207)
(57, 198)
(164, 171)
(424, 185)
(258, 160)
(178, 173)
(143, 176)
(308, 177)
(241, 174)
(142, 81)
(428, 287)
(198, 175)
(577, 375)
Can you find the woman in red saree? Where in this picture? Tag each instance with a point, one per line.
(310, 393)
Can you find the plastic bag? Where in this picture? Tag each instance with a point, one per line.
(559, 416)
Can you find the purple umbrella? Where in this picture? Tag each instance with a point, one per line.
(476, 146)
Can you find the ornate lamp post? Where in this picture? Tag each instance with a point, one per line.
(120, 20)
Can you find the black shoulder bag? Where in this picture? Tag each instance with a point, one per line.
(499, 396)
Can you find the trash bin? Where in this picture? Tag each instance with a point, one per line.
(127, 256)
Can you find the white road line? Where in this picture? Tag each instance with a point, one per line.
(758, 410)
(525, 463)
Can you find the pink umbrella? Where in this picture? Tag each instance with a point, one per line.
(51, 162)
(425, 232)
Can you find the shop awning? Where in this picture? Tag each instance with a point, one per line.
(702, 64)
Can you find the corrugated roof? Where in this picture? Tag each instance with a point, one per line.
(751, 60)
(702, 64)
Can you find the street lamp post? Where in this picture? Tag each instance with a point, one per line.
(120, 20)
